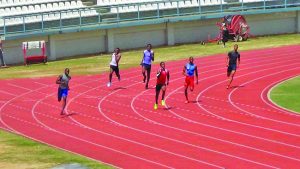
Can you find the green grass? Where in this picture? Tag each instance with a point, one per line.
(287, 94)
(99, 63)
(17, 152)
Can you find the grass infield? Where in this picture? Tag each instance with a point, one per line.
(287, 94)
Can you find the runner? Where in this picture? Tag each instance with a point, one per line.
(63, 81)
(163, 78)
(225, 34)
(1, 55)
(148, 57)
(114, 65)
(189, 70)
(233, 61)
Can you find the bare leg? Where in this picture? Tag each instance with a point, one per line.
(156, 96)
(230, 78)
(186, 94)
(110, 74)
(191, 88)
(144, 74)
(163, 92)
(64, 101)
(148, 77)
(110, 77)
(118, 74)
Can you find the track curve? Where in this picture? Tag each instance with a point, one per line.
(235, 128)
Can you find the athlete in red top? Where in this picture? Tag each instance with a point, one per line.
(163, 78)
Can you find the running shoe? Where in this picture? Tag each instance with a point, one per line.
(155, 106)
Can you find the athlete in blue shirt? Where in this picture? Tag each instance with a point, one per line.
(189, 70)
(148, 57)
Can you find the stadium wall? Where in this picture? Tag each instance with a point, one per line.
(90, 42)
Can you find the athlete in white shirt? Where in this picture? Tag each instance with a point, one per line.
(114, 65)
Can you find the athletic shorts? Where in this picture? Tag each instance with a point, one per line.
(159, 86)
(189, 81)
(231, 68)
(62, 93)
(115, 68)
(146, 66)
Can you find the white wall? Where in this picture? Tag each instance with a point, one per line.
(134, 37)
(188, 32)
(80, 43)
(275, 23)
(298, 21)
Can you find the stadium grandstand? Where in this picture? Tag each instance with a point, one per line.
(106, 24)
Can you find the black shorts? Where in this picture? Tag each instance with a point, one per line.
(224, 39)
(231, 68)
(159, 86)
(115, 68)
(146, 66)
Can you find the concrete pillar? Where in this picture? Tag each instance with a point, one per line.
(298, 21)
(52, 48)
(110, 45)
(170, 34)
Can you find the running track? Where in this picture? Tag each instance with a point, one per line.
(235, 128)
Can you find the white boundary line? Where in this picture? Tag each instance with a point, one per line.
(263, 117)
(52, 145)
(133, 71)
(235, 121)
(133, 108)
(278, 106)
(57, 147)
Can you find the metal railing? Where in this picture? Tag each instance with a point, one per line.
(111, 16)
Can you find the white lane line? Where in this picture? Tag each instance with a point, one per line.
(235, 121)
(8, 93)
(12, 130)
(50, 145)
(263, 117)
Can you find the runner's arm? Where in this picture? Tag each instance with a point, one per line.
(184, 71)
(68, 84)
(227, 60)
(118, 58)
(58, 80)
(239, 60)
(142, 58)
(152, 58)
(158, 74)
(196, 72)
(168, 77)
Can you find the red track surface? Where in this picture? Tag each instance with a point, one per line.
(235, 128)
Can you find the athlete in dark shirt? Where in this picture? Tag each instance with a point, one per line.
(225, 34)
(1, 55)
(232, 62)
